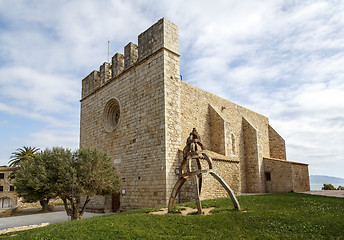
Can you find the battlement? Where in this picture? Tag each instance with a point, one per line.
(162, 35)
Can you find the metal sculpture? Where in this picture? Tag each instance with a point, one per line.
(191, 152)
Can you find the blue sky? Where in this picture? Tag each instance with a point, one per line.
(283, 59)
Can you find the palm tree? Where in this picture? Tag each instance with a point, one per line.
(23, 153)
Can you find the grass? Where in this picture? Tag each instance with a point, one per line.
(272, 216)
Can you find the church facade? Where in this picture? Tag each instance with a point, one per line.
(140, 112)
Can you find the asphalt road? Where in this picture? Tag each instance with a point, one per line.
(35, 219)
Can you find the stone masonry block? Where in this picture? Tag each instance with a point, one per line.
(130, 55)
(105, 73)
(117, 64)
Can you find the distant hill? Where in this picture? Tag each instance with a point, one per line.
(325, 179)
(317, 181)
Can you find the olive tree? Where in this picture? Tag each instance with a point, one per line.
(91, 174)
(36, 178)
(72, 176)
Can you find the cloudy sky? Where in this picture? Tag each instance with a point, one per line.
(283, 59)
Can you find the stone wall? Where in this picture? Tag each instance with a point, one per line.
(281, 176)
(229, 171)
(100, 204)
(173, 139)
(211, 188)
(218, 132)
(277, 145)
(137, 143)
(253, 158)
(196, 112)
(286, 176)
(300, 177)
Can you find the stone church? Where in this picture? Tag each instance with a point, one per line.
(140, 112)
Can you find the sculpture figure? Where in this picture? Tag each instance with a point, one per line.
(191, 152)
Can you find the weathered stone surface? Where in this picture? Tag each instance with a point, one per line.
(286, 176)
(117, 64)
(105, 73)
(277, 145)
(130, 55)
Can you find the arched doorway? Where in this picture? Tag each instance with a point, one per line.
(6, 202)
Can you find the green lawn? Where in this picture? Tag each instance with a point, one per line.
(272, 216)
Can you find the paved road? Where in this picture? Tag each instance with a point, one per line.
(53, 217)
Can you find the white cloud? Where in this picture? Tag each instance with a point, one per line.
(288, 66)
(283, 59)
(61, 36)
(51, 138)
(37, 91)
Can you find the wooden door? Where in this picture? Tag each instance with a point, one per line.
(115, 202)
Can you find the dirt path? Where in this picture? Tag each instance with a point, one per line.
(22, 228)
(328, 193)
(184, 211)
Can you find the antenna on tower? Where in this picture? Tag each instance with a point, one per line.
(108, 51)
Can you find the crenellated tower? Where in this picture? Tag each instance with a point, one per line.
(162, 35)
(127, 110)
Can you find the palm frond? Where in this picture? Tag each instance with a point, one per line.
(21, 154)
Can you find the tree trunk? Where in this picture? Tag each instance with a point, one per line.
(65, 203)
(45, 206)
(84, 207)
(75, 215)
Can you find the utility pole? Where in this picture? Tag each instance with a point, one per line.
(72, 203)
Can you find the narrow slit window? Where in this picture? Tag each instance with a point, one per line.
(268, 176)
(233, 144)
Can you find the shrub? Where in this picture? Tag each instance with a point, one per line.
(328, 187)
